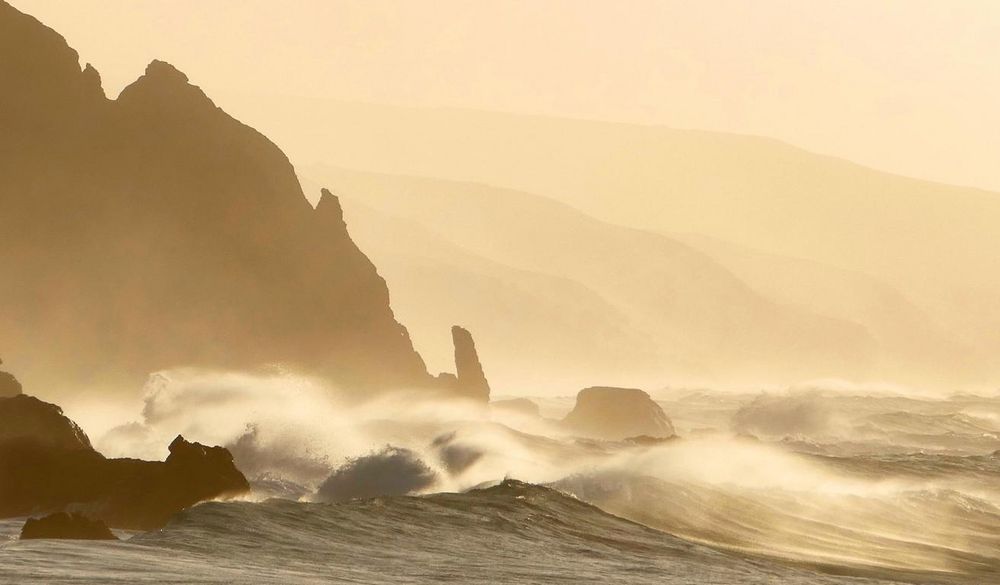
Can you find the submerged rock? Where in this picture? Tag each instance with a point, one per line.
(67, 526)
(793, 416)
(647, 441)
(521, 406)
(48, 464)
(610, 413)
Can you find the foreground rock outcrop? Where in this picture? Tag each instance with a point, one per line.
(66, 527)
(610, 413)
(47, 464)
(9, 386)
(154, 230)
(26, 418)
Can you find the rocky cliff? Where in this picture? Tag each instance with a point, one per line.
(154, 230)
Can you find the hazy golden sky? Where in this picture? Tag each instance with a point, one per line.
(910, 86)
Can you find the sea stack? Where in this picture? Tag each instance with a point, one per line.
(604, 412)
(471, 378)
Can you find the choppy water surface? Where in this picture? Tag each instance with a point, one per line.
(806, 486)
(512, 533)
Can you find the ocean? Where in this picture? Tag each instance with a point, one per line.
(812, 485)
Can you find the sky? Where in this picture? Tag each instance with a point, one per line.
(908, 86)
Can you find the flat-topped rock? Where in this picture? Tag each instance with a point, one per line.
(605, 412)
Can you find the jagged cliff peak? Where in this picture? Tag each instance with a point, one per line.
(167, 88)
(161, 70)
(92, 80)
(329, 207)
(20, 30)
(39, 70)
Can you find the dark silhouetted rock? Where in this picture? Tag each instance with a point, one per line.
(66, 526)
(604, 412)
(9, 386)
(26, 418)
(521, 406)
(47, 464)
(154, 230)
(471, 378)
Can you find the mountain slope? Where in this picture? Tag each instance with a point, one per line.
(752, 191)
(913, 345)
(155, 230)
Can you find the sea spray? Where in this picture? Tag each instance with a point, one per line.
(850, 494)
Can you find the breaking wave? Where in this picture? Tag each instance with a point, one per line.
(509, 533)
(779, 487)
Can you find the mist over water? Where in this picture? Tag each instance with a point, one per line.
(846, 478)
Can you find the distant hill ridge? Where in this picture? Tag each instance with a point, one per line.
(936, 244)
(627, 305)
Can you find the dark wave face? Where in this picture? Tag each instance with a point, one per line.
(510, 533)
